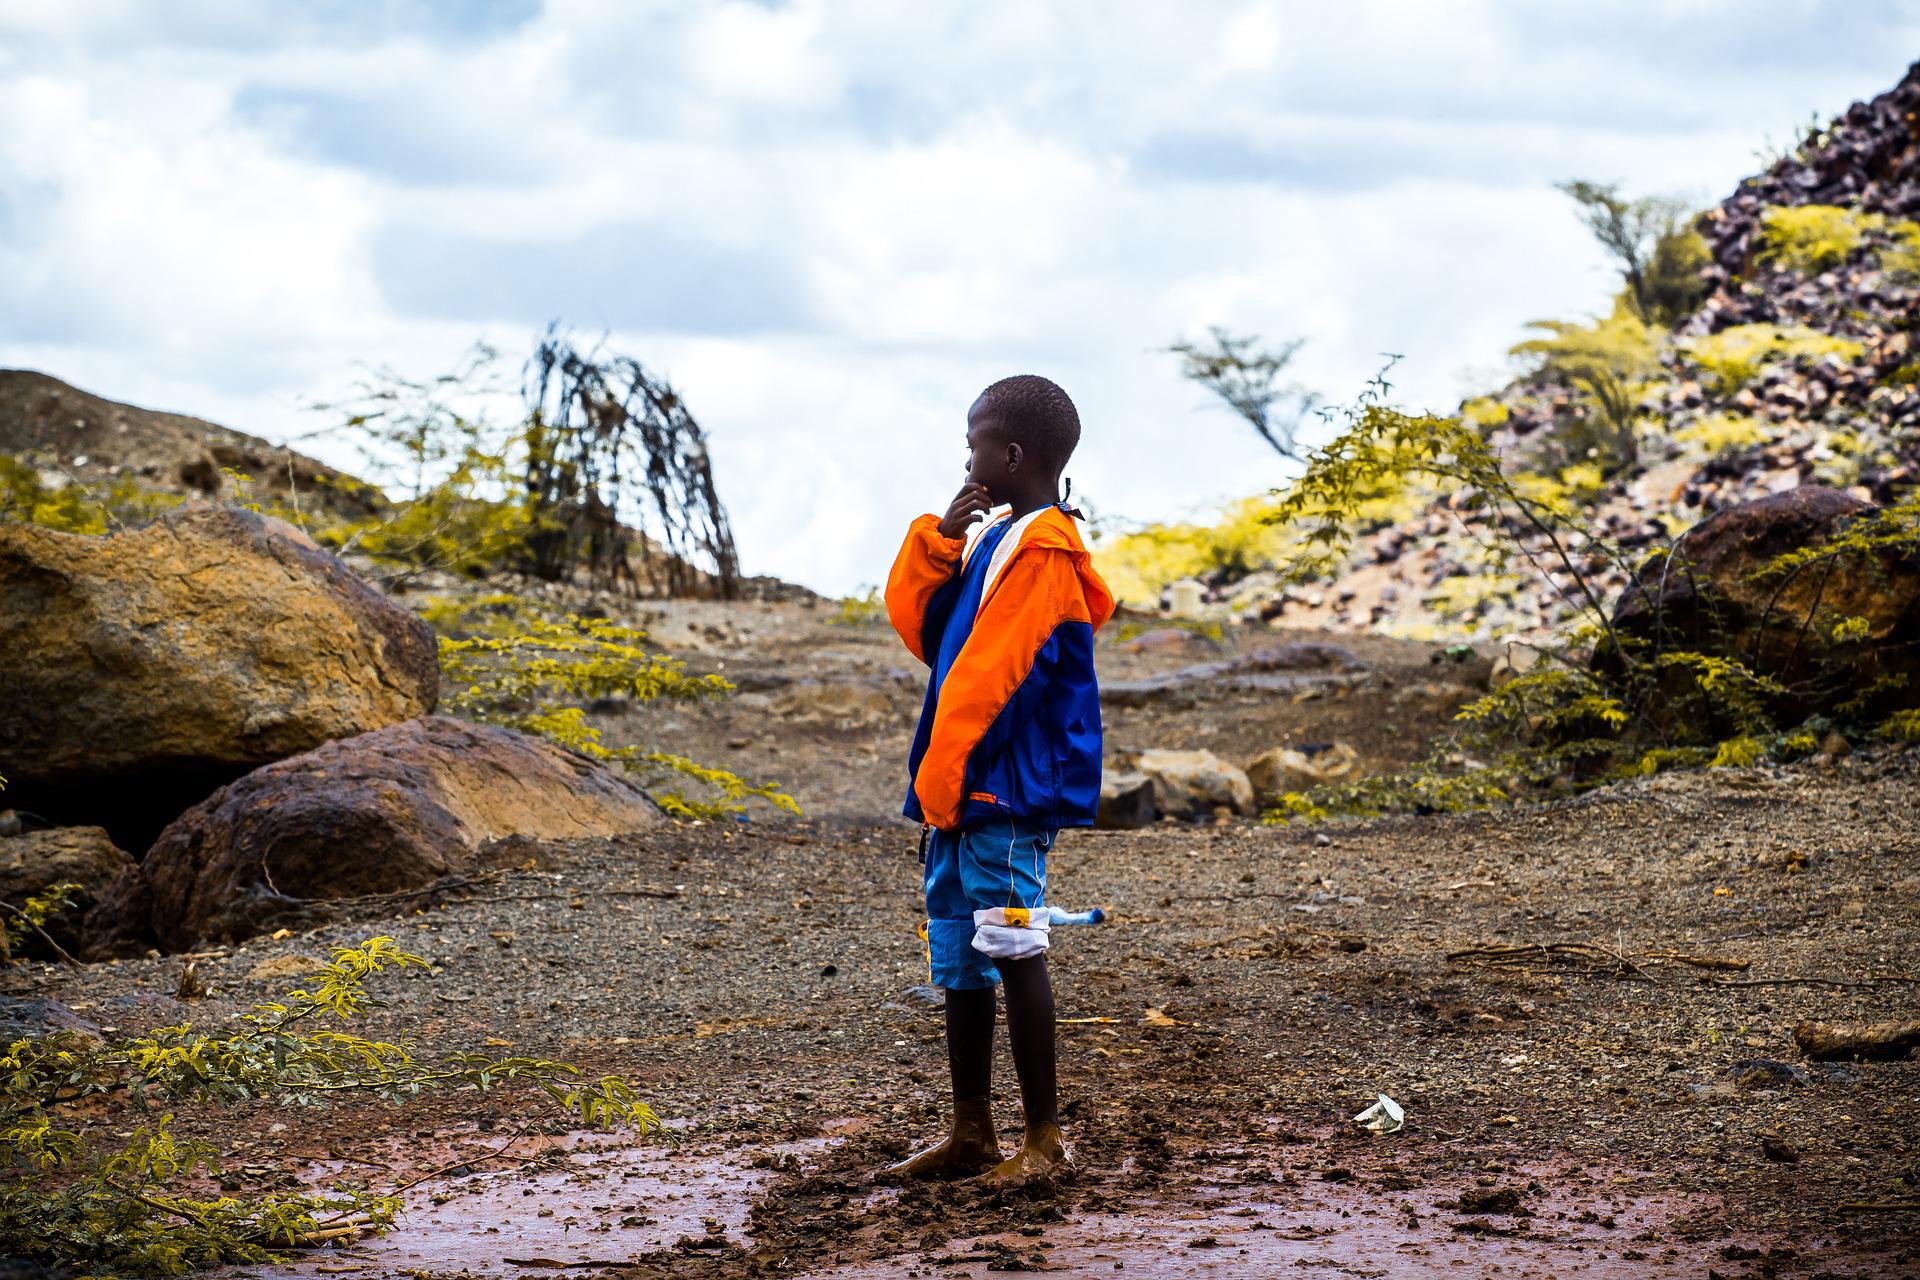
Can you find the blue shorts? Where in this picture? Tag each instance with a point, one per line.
(1001, 862)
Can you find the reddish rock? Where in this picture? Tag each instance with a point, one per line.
(382, 812)
(36, 860)
(1706, 598)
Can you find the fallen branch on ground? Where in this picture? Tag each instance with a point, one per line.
(1522, 953)
(1871, 980)
(28, 921)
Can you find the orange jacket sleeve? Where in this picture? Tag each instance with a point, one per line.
(924, 565)
(1039, 589)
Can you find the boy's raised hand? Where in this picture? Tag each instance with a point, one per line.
(971, 501)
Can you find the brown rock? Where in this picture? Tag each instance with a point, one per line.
(1189, 784)
(287, 968)
(835, 704)
(1283, 769)
(146, 667)
(379, 813)
(95, 441)
(1871, 1041)
(32, 862)
(1126, 802)
(1705, 598)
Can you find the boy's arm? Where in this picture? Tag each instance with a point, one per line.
(1039, 591)
(924, 565)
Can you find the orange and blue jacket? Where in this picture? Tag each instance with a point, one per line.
(1004, 620)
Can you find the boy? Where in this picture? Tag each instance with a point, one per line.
(1007, 752)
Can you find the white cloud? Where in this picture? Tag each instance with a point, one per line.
(831, 224)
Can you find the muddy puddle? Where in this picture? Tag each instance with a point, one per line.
(590, 1198)
(609, 1201)
(1349, 1231)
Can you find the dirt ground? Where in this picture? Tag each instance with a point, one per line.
(762, 985)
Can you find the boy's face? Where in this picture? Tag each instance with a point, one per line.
(990, 459)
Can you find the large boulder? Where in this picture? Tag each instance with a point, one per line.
(383, 812)
(34, 861)
(1192, 784)
(146, 667)
(1706, 597)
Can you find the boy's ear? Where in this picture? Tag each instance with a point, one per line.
(1014, 454)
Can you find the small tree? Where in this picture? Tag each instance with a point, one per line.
(1652, 239)
(1601, 703)
(1246, 376)
(602, 465)
(608, 442)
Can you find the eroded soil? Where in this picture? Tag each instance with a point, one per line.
(760, 983)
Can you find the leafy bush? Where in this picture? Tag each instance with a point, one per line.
(1611, 362)
(1720, 432)
(536, 674)
(133, 1211)
(1568, 723)
(1811, 238)
(1901, 256)
(1735, 356)
(863, 610)
(71, 507)
(1140, 564)
(32, 916)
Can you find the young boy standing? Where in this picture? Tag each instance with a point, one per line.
(1007, 752)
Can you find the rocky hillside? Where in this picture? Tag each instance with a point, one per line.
(1799, 366)
(70, 436)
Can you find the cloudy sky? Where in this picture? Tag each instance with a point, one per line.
(832, 223)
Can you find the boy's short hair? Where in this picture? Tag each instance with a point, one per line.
(1038, 416)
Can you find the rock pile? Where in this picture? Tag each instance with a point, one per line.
(1784, 376)
(219, 651)
(1868, 157)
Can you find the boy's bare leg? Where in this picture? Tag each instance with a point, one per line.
(1030, 1028)
(971, 1145)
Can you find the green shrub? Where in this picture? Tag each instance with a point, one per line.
(25, 497)
(1660, 255)
(1720, 432)
(1611, 362)
(1567, 723)
(536, 674)
(1812, 238)
(1735, 356)
(862, 610)
(1809, 238)
(64, 1202)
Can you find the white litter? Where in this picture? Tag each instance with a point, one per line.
(1384, 1116)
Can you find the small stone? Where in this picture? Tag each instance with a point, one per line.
(1126, 802)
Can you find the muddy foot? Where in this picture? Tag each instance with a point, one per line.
(1042, 1157)
(971, 1147)
(959, 1156)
